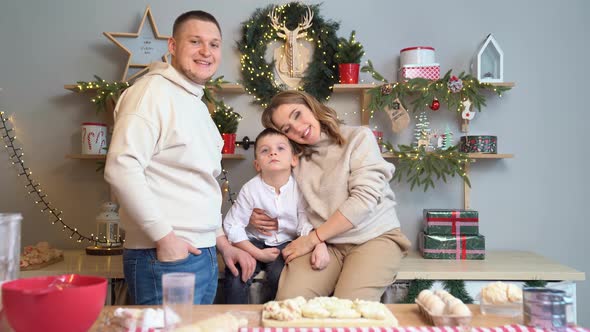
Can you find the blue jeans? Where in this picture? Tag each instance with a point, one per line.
(237, 292)
(143, 274)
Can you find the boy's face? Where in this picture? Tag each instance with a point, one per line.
(274, 153)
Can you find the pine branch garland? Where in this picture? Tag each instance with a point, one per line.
(419, 92)
(105, 91)
(416, 286)
(457, 289)
(535, 283)
(419, 166)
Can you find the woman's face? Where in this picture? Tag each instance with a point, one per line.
(297, 122)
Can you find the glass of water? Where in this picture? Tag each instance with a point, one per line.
(178, 298)
(9, 248)
(9, 245)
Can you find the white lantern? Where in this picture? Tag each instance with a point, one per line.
(108, 226)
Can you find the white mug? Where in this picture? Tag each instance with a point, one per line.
(94, 138)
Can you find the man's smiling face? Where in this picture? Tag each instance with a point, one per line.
(196, 50)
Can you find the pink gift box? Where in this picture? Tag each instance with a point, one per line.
(431, 72)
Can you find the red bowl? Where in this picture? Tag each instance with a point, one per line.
(68, 302)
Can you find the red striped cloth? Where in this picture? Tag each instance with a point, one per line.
(505, 328)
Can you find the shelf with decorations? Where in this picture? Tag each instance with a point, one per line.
(225, 156)
(115, 88)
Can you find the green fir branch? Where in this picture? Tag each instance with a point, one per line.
(416, 286)
(226, 120)
(535, 283)
(349, 50)
(105, 91)
(419, 167)
(420, 92)
(457, 289)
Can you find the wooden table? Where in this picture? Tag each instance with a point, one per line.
(406, 314)
(498, 265)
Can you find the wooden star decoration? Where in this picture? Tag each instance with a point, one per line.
(144, 47)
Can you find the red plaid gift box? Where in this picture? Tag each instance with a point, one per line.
(431, 72)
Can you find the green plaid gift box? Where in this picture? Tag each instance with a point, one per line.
(452, 246)
(451, 222)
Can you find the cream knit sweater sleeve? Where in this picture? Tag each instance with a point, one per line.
(369, 175)
(353, 179)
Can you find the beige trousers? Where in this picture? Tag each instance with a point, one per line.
(356, 271)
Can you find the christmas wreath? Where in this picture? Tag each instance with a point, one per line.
(258, 74)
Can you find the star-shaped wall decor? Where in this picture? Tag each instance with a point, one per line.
(144, 47)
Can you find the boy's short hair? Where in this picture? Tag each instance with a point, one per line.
(197, 15)
(269, 132)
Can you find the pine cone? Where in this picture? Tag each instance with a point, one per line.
(386, 89)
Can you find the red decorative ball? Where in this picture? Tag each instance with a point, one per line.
(435, 105)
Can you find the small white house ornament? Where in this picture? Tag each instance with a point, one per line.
(488, 64)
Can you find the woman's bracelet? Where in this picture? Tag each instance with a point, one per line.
(317, 235)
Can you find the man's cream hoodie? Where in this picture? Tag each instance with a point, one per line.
(163, 161)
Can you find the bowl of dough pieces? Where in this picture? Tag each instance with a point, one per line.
(501, 299)
(443, 309)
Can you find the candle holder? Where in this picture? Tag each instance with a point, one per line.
(109, 233)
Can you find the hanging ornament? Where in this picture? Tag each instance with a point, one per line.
(386, 89)
(435, 105)
(400, 119)
(468, 113)
(455, 84)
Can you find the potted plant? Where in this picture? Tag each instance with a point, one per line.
(348, 56)
(227, 122)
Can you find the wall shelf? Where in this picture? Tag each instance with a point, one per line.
(104, 156)
(389, 155)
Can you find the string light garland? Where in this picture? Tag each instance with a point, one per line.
(420, 166)
(226, 189)
(257, 74)
(105, 91)
(451, 90)
(34, 188)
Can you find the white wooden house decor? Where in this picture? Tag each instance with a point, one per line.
(489, 61)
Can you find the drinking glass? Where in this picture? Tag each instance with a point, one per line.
(178, 297)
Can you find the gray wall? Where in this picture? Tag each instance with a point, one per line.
(532, 202)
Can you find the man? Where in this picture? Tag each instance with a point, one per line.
(162, 164)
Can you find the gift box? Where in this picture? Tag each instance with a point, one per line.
(457, 247)
(430, 71)
(480, 143)
(417, 55)
(451, 222)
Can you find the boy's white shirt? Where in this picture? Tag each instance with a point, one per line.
(288, 207)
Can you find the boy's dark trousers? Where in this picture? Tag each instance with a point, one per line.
(237, 292)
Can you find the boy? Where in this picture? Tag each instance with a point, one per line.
(274, 190)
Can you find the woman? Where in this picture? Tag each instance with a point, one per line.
(345, 181)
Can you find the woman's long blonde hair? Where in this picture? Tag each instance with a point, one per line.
(329, 122)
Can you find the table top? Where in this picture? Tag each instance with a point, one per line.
(498, 265)
(406, 314)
